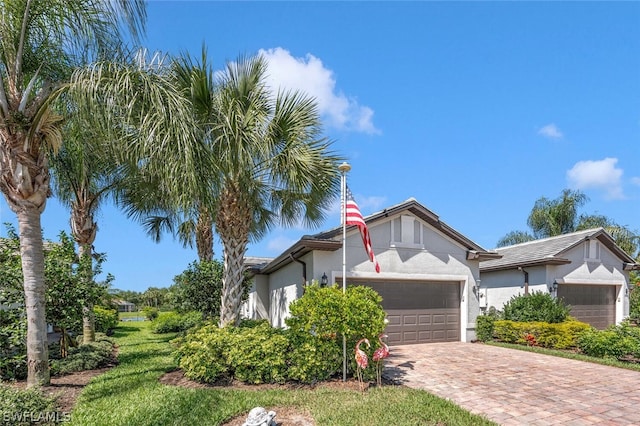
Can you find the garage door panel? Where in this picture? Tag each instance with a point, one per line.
(593, 304)
(420, 312)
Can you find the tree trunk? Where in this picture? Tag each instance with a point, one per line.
(32, 253)
(88, 316)
(84, 231)
(204, 235)
(233, 223)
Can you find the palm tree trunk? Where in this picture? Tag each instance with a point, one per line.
(88, 316)
(204, 235)
(32, 253)
(233, 221)
(233, 277)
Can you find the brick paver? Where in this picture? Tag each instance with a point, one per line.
(513, 387)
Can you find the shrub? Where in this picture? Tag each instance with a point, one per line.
(605, 343)
(170, 322)
(634, 302)
(106, 319)
(485, 324)
(536, 306)
(313, 358)
(558, 336)
(85, 357)
(258, 354)
(13, 344)
(203, 354)
(150, 313)
(26, 403)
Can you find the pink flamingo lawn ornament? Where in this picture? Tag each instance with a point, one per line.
(362, 360)
(378, 357)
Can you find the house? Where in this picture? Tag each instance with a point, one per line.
(586, 269)
(428, 279)
(124, 306)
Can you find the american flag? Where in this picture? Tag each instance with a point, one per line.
(354, 217)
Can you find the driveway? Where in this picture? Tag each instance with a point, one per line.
(513, 387)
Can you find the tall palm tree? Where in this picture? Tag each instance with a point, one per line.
(82, 180)
(192, 222)
(136, 105)
(39, 41)
(558, 216)
(273, 164)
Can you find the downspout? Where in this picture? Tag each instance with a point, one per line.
(304, 271)
(526, 280)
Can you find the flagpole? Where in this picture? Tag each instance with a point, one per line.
(344, 168)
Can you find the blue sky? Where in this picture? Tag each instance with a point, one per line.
(476, 109)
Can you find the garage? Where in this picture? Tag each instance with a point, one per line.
(593, 304)
(420, 312)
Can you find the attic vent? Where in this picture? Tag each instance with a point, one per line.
(592, 250)
(406, 231)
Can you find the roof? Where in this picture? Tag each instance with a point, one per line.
(551, 251)
(331, 240)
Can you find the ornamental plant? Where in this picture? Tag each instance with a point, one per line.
(536, 306)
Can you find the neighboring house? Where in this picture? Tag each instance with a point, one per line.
(428, 274)
(586, 269)
(124, 306)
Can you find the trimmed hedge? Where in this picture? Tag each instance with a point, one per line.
(85, 357)
(26, 407)
(557, 336)
(171, 322)
(620, 342)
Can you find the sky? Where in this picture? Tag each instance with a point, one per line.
(475, 109)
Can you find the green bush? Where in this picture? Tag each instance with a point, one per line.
(203, 354)
(536, 306)
(634, 302)
(150, 313)
(85, 357)
(557, 336)
(313, 358)
(171, 322)
(13, 344)
(259, 354)
(106, 319)
(485, 323)
(606, 344)
(26, 406)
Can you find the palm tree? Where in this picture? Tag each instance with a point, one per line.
(191, 223)
(273, 164)
(38, 45)
(82, 179)
(146, 120)
(555, 217)
(549, 218)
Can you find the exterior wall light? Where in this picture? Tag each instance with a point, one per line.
(324, 280)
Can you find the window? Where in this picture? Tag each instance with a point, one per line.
(406, 231)
(592, 250)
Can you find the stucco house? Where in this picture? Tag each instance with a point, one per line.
(428, 279)
(586, 269)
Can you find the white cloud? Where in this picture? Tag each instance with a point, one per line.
(310, 76)
(550, 131)
(635, 180)
(598, 174)
(279, 244)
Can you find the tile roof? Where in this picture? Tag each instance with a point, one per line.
(548, 250)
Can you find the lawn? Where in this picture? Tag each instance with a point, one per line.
(124, 315)
(130, 394)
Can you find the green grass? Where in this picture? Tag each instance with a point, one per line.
(131, 314)
(570, 355)
(130, 394)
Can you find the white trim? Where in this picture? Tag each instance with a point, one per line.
(463, 281)
(588, 281)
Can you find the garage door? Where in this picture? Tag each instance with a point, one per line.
(420, 312)
(593, 304)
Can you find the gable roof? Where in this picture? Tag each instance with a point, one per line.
(550, 251)
(331, 240)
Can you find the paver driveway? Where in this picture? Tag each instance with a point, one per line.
(514, 387)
